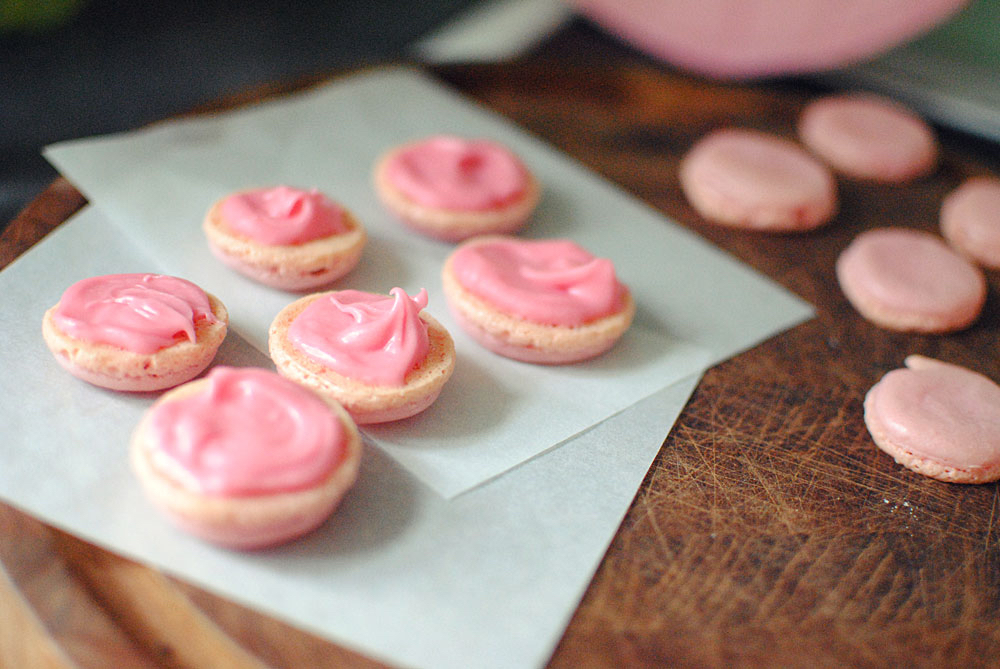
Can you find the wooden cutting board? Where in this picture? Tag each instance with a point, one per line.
(769, 530)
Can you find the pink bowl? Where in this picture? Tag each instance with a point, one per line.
(754, 38)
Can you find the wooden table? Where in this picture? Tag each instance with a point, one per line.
(769, 530)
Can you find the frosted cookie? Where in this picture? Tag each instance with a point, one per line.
(244, 458)
(136, 332)
(285, 237)
(869, 137)
(938, 419)
(381, 356)
(540, 301)
(970, 220)
(754, 180)
(910, 280)
(452, 188)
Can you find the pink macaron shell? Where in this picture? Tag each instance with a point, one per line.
(869, 137)
(970, 220)
(910, 280)
(252, 537)
(938, 419)
(149, 382)
(538, 356)
(288, 279)
(753, 38)
(755, 180)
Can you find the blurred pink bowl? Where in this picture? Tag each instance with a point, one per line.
(736, 39)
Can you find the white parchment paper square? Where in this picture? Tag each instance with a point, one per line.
(488, 579)
(495, 413)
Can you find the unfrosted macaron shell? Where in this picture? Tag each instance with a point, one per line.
(869, 137)
(910, 280)
(970, 220)
(937, 419)
(754, 180)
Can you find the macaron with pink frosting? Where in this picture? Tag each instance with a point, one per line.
(452, 188)
(540, 301)
(938, 419)
(910, 281)
(135, 332)
(244, 458)
(285, 237)
(383, 357)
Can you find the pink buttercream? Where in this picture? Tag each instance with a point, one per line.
(939, 411)
(554, 282)
(283, 215)
(250, 432)
(137, 312)
(909, 270)
(367, 337)
(451, 173)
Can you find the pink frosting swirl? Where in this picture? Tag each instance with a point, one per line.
(452, 173)
(553, 282)
(283, 215)
(364, 336)
(137, 312)
(250, 432)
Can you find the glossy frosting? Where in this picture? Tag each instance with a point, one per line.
(249, 432)
(371, 338)
(552, 282)
(448, 172)
(137, 312)
(938, 411)
(283, 215)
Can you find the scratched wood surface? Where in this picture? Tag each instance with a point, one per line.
(769, 530)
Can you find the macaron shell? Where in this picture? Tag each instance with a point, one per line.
(517, 338)
(909, 280)
(116, 368)
(244, 522)
(970, 220)
(296, 267)
(366, 403)
(450, 225)
(755, 180)
(938, 419)
(869, 137)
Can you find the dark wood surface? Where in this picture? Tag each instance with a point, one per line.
(769, 530)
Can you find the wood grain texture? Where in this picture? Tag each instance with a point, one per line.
(769, 530)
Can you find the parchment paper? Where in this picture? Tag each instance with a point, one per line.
(158, 183)
(487, 578)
